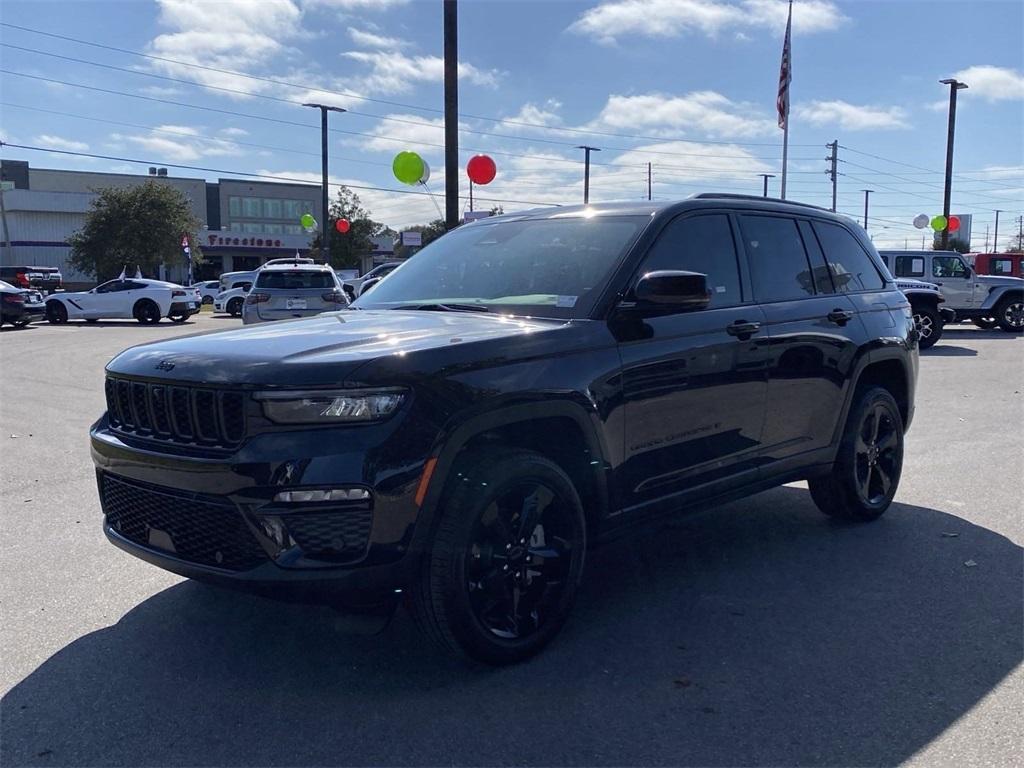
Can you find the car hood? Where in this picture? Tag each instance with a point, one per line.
(317, 351)
(994, 280)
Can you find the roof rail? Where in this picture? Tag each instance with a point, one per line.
(736, 196)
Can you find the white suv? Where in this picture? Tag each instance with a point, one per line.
(285, 291)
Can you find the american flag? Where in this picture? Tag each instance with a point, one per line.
(785, 75)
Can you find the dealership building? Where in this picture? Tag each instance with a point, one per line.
(243, 223)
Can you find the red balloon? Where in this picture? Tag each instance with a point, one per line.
(954, 223)
(342, 225)
(481, 169)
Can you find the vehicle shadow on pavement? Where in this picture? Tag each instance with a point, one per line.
(949, 350)
(977, 333)
(761, 633)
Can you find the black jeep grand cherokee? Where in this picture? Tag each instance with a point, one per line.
(520, 388)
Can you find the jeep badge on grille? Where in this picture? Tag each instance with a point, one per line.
(165, 365)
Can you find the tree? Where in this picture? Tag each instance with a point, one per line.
(134, 226)
(345, 249)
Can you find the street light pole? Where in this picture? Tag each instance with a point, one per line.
(954, 86)
(866, 193)
(451, 114)
(586, 170)
(324, 109)
(766, 176)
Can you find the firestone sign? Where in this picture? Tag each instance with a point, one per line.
(258, 242)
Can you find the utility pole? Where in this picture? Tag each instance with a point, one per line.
(324, 109)
(451, 114)
(766, 176)
(1020, 233)
(866, 193)
(986, 238)
(954, 86)
(648, 181)
(995, 238)
(832, 171)
(586, 170)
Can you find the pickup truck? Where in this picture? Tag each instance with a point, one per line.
(46, 279)
(985, 300)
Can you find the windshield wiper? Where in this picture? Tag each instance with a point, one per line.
(445, 307)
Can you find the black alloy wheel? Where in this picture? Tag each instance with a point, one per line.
(147, 313)
(517, 562)
(863, 480)
(501, 573)
(876, 455)
(56, 313)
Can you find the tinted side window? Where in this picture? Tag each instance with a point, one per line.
(778, 262)
(852, 268)
(909, 266)
(701, 244)
(948, 266)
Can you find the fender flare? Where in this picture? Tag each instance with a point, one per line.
(453, 439)
(867, 357)
(1000, 292)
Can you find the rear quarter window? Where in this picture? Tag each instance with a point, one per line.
(851, 267)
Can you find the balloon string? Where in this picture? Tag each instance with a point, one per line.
(434, 199)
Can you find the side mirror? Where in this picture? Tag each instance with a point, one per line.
(686, 290)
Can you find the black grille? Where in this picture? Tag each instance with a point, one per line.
(341, 534)
(185, 415)
(200, 529)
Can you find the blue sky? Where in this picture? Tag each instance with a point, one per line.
(688, 85)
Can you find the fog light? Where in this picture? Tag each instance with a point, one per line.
(330, 494)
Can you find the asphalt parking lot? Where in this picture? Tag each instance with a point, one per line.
(761, 633)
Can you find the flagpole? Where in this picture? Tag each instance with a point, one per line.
(787, 62)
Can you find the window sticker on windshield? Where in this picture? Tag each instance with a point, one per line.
(565, 301)
(719, 289)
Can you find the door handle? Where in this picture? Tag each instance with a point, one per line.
(742, 329)
(839, 316)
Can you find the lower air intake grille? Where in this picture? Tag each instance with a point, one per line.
(340, 535)
(200, 529)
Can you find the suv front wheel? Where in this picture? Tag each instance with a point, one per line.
(867, 468)
(501, 575)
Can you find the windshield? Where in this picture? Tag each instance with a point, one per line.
(294, 280)
(546, 267)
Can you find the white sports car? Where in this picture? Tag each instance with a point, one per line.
(231, 301)
(145, 300)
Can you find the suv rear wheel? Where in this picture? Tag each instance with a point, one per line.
(501, 576)
(867, 469)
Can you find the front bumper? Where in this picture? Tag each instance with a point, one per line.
(165, 514)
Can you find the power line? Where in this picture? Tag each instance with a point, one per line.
(250, 175)
(349, 94)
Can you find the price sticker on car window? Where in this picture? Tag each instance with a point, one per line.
(565, 301)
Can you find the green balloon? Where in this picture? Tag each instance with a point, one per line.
(307, 220)
(939, 223)
(408, 167)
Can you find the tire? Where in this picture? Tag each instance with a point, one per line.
(987, 323)
(207, 299)
(92, 320)
(56, 313)
(21, 322)
(469, 596)
(146, 312)
(856, 489)
(177, 318)
(234, 307)
(1010, 314)
(929, 326)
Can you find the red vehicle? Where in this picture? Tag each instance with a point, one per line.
(1004, 264)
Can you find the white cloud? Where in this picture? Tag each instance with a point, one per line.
(179, 143)
(240, 35)
(348, 5)
(937, 106)
(365, 39)
(993, 83)
(852, 117)
(1001, 171)
(57, 142)
(609, 21)
(233, 132)
(544, 114)
(393, 72)
(705, 112)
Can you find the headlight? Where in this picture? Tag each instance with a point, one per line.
(330, 407)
